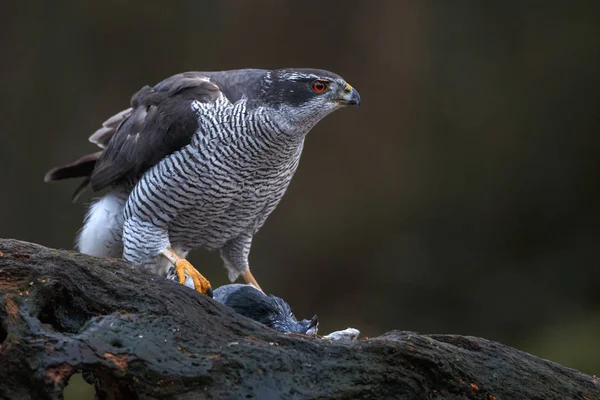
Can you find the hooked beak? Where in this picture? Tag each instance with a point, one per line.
(350, 96)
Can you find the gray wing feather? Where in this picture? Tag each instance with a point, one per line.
(103, 135)
(159, 123)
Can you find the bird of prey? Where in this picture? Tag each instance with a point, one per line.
(199, 160)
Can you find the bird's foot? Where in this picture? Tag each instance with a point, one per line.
(184, 270)
(249, 278)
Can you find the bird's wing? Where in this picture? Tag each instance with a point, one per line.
(159, 122)
(103, 135)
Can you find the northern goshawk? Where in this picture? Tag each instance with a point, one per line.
(199, 160)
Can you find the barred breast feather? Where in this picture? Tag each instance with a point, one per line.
(223, 184)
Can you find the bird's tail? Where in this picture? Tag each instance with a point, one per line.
(82, 168)
(102, 232)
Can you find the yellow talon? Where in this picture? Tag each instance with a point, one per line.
(183, 268)
(249, 278)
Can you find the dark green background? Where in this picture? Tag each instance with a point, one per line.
(461, 197)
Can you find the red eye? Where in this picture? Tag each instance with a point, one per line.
(319, 86)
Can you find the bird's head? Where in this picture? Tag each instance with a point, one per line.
(305, 96)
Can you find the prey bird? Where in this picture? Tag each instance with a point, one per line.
(270, 310)
(199, 160)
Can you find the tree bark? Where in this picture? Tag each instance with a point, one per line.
(145, 337)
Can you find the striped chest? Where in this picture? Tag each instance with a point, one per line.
(234, 178)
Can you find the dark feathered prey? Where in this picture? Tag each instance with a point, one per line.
(200, 160)
(269, 310)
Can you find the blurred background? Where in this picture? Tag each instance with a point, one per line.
(461, 197)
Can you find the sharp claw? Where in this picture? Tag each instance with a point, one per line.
(180, 272)
(201, 284)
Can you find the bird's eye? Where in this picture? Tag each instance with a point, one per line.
(319, 86)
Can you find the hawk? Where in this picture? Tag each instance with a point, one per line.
(199, 160)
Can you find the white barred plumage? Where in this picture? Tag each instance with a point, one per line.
(200, 160)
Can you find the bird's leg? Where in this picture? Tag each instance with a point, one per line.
(183, 268)
(249, 278)
(235, 257)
